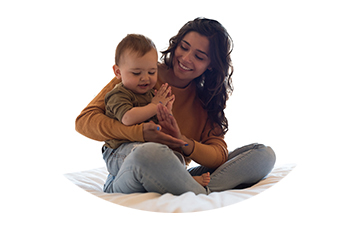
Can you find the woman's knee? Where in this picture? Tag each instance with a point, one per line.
(269, 154)
(257, 153)
(262, 158)
(148, 153)
(149, 149)
(267, 157)
(248, 148)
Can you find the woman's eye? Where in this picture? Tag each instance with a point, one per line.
(185, 49)
(200, 58)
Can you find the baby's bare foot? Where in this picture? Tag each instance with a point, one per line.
(203, 179)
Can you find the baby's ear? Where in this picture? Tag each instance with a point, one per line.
(116, 71)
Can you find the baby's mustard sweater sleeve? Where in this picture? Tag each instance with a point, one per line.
(93, 123)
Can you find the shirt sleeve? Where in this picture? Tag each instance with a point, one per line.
(118, 102)
(212, 151)
(94, 124)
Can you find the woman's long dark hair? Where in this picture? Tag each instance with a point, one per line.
(215, 84)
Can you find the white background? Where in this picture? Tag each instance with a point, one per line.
(291, 79)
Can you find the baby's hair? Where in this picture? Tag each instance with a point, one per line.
(136, 43)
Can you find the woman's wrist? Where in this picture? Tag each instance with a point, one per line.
(187, 150)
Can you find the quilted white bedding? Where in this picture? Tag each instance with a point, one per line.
(92, 181)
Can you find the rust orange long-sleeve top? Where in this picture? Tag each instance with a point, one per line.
(209, 150)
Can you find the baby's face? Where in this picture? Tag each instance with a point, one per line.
(139, 74)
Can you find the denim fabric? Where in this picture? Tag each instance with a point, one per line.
(152, 167)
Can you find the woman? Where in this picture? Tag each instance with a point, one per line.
(197, 66)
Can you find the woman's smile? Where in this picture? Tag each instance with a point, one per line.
(184, 67)
(191, 57)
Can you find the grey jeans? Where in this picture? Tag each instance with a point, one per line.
(151, 167)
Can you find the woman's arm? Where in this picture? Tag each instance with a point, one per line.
(93, 123)
(211, 152)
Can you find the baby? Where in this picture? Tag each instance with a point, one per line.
(134, 100)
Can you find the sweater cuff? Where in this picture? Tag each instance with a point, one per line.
(189, 155)
(194, 148)
(139, 133)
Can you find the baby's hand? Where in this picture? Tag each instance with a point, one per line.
(163, 95)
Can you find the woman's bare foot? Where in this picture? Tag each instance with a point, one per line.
(203, 179)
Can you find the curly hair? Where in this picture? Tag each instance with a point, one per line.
(215, 85)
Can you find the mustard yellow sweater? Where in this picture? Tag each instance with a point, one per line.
(209, 150)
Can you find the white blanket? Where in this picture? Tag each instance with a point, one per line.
(93, 180)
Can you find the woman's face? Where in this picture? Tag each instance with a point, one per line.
(191, 57)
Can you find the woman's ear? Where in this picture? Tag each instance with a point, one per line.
(116, 71)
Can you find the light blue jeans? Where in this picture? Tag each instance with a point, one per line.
(152, 167)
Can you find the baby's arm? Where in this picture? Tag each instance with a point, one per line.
(138, 115)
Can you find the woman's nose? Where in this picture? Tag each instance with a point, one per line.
(187, 57)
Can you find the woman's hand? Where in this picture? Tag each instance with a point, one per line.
(152, 133)
(170, 127)
(167, 121)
